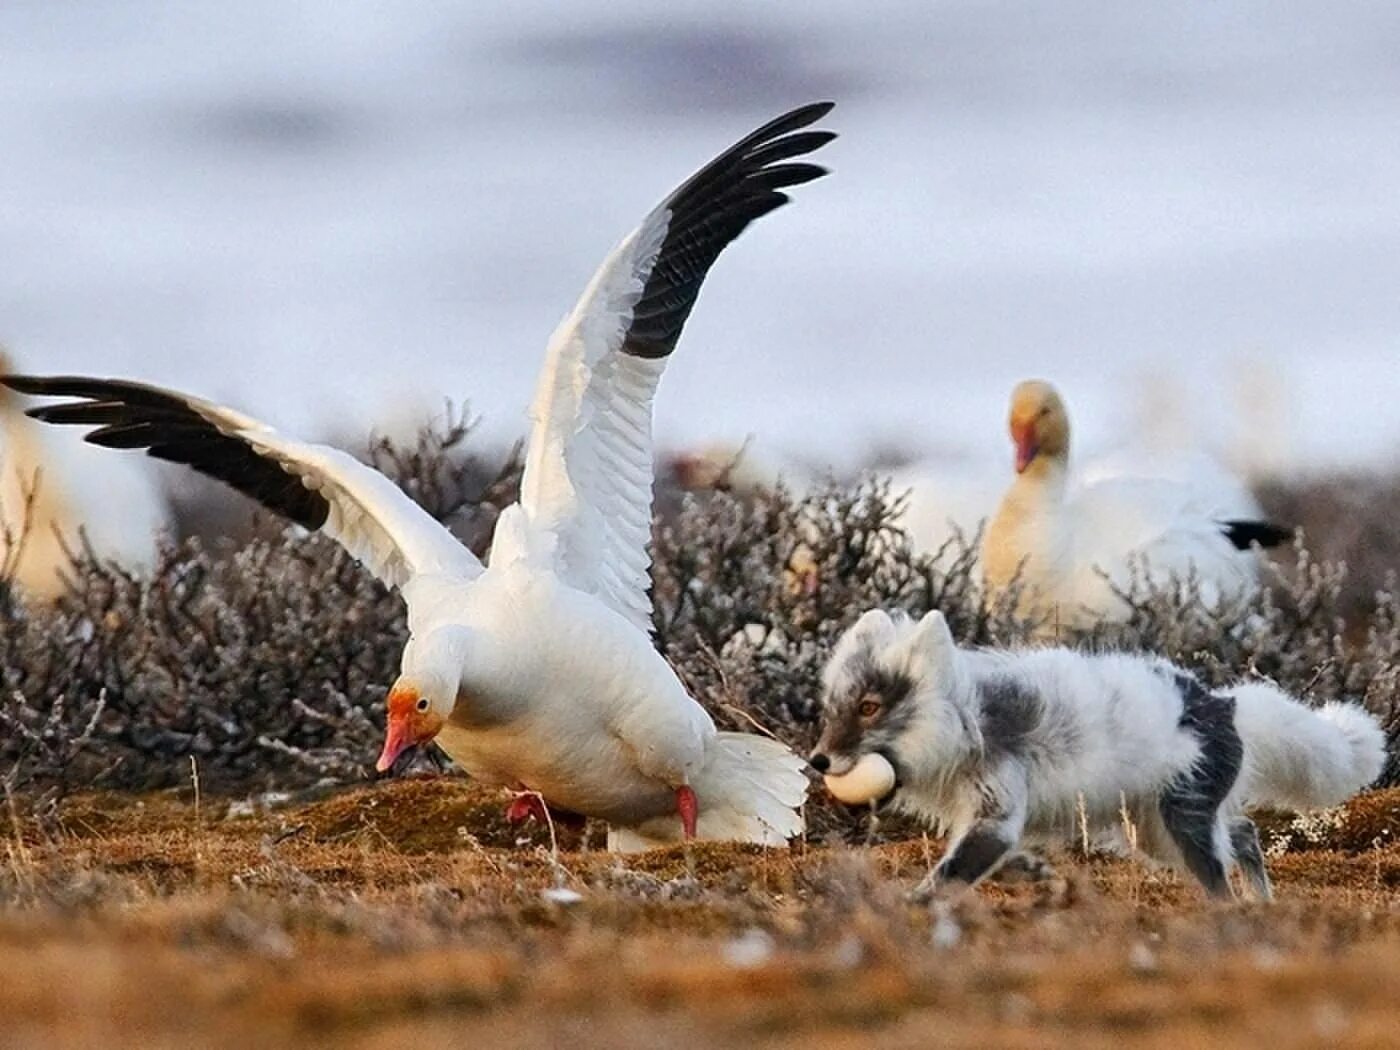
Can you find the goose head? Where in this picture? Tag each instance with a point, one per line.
(413, 719)
(425, 693)
(1039, 424)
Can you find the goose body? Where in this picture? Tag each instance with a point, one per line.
(1070, 548)
(946, 505)
(538, 672)
(596, 721)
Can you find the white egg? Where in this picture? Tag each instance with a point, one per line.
(869, 780)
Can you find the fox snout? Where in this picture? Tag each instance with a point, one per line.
(840, 745)
(831, 765)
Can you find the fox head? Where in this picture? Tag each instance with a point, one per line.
(893, 687)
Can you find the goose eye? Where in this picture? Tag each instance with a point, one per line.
(422, 703)
(869, 708)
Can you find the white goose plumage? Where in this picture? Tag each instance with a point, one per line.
(1072, 548)
(537, 673)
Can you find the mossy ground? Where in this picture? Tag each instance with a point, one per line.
(409, 912)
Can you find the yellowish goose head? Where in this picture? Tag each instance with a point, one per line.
(1039, 424)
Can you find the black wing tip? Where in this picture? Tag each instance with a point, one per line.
(821, 137)
(161, 423)
(712, 208)
(756, 149)
(809, 113)
(26, 384)
(778, 176)
(1244, 533)
(63, 386)
(794, 120)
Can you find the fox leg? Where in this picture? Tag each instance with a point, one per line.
(1024, 866)
(1244, 841)
(988, 839)
(1196, 826)
(1190, 804)
(1198, 839)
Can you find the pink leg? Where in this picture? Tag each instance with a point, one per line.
(527, 806)
(688, 807)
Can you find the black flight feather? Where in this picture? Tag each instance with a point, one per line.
(709, 211)
(1243, 534)
(136, 416)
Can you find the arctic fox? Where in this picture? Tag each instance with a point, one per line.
(992, 746)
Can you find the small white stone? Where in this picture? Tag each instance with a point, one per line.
(750, 949)
(946, 931)
(849, 954)
(1142, 959)
(1330, 1021)
(562, 896)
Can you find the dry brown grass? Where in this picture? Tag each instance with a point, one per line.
(408, 911)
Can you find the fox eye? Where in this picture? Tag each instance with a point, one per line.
(422, 703)
(869, 708)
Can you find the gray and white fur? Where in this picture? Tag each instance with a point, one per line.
(994, 747)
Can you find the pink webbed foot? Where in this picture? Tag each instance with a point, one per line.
(688, 806)
(527, 806)
(530, 805)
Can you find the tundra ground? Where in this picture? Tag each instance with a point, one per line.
(409, 913)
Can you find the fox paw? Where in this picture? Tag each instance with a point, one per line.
(1026, 867)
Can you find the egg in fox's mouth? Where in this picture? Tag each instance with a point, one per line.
(871, 779)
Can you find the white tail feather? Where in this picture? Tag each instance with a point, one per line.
(1297, 757)
(751, 790)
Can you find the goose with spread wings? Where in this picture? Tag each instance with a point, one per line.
(537, 673)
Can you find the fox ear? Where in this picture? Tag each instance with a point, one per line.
(865, 639)
(934, 654)
(874, 626)
(933, 636)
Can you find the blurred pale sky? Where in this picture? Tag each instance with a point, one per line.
(337, 213)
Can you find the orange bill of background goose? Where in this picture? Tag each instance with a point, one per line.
(537, 673)
(1059, 542)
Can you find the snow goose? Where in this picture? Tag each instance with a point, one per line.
(946, 504)
(54, 498)
(1061, 543)
(537, 673)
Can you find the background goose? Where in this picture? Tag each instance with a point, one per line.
(53, 496)
(537, 673)
(1060, 540)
